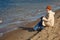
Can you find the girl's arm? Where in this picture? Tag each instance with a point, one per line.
(45, 19)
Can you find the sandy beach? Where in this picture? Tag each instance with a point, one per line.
(26, 33)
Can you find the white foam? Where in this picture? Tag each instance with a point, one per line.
(1, 21)
(1, 34)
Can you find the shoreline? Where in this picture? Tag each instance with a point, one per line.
(24, 34)
(16, 27)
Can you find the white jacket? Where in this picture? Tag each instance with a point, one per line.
(50, 20)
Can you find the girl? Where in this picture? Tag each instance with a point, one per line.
(49, 21)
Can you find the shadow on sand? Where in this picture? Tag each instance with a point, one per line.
(28, 29)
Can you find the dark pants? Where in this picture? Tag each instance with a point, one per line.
(39, 26)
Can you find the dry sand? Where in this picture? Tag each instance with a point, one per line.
(48, 33)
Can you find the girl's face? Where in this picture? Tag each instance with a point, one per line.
(47, 9)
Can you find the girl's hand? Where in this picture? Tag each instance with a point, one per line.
(44, 19)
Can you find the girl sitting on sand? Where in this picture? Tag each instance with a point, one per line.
(49, 20)
(46, 21)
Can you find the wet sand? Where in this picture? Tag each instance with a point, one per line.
(25, 33)
(22, 33)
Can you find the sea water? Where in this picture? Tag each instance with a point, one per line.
(17, 12)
